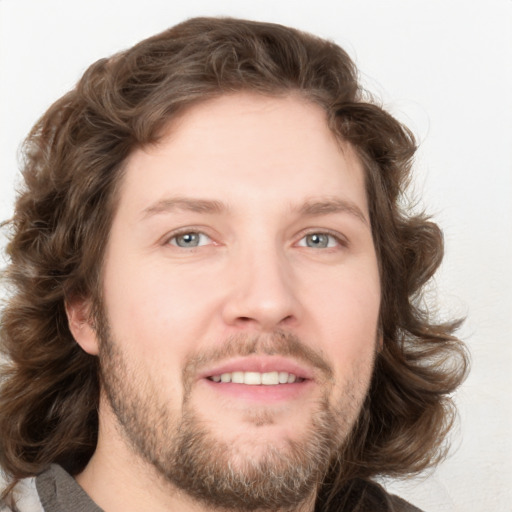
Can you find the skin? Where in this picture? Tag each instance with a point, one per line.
(273, 175)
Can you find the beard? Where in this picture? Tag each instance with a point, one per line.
(184, 451)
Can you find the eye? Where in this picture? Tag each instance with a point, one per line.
(190, 239)
(319, 241)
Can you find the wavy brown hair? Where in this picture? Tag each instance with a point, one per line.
(73, 166)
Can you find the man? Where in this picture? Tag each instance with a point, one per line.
(215, 294)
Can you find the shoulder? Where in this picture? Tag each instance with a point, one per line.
(379, 499)
(368, 496)
(22, 498)
(400, 505)
(53, 490)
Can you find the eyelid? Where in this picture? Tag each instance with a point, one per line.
(339, 237)
(166, 240)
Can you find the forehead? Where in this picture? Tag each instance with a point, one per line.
(246, 148)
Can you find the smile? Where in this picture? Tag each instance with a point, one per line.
(256, 378)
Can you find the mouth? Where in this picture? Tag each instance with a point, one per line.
(259, 378)
(274, 378)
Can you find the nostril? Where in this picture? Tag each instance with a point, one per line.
(249, 320)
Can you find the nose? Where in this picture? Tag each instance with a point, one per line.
(263, 295)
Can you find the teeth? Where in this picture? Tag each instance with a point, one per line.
(237, 377)
(256, 378)
(270, 379)
(252, 378)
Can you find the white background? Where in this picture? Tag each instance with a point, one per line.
(443, 67)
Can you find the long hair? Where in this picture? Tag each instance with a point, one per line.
(73, 166)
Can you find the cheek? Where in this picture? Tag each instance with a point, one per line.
(348, 315)
(154, 309)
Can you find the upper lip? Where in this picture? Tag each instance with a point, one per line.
(261, 364)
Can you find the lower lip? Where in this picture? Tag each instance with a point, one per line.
(260, 393)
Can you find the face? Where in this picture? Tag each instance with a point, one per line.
(240, 301)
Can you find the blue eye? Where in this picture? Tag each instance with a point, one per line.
(319, 241)
(189, 240)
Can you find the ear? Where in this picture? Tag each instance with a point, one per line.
(81, 325)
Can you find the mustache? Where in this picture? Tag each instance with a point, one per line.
(280, 343)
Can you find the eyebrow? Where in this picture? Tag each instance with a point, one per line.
(311, 208)
(185, 204)
(335, 205)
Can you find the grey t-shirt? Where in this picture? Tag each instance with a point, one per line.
(59, 492)
(55, 490)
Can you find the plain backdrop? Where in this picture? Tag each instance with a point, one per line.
(441, 66)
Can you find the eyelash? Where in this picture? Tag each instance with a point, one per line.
(340, 240)
(187, 231)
